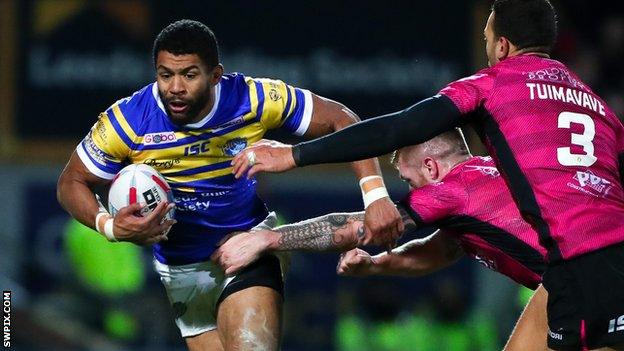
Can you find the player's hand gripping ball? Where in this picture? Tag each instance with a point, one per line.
(139, 183)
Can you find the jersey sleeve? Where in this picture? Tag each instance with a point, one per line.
(285, 106)
(103, 150)
(470, 93)
(434, 202)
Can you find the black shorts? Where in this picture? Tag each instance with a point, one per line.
(586, 300)
(266, 271)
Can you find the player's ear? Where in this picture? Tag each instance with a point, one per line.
(216, 74)
(431, 168)
(503, 46)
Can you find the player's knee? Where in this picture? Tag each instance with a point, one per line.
(256, 340)
(257, 331)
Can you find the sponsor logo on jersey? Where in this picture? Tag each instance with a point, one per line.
(591, 184)
(100, 128)
(555, 74)
(159, 138)
(191, 204)
(274, 94)
(93, 150)
(487, 170)
(554, 335)
(234, 146)
(163, 164)
(230, 123)
(197, 201)
(616, 324)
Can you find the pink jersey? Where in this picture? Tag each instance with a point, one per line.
(558, 145)
(473, 202)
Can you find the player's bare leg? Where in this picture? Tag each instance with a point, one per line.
(208, 341)
(250, 320)
(532, 327)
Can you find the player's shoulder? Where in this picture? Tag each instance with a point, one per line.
(237, 82)
(262, 80)
(240, 91)
(273, 86)
(235, 96)
(137, 108)
(451, 184)
(483, 76)
(234, 80)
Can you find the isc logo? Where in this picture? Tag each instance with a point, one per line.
(196, 149)
(619, 326)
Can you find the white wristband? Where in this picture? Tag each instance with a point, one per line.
(107, 229)
(367, 178)
(374, 195)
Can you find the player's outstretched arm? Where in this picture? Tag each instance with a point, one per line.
(370, 138)
(335, 231)
(75, 192)
(331, 232)
(415, 258)
(380, 135)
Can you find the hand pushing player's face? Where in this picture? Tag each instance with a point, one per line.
(185, 86)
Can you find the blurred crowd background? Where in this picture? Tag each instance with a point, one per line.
(64, 61)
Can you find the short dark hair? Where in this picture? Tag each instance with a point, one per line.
(526, 23)
(451, 142)
(185, 37)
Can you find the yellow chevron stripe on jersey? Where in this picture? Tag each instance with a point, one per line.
(275, 99)
(171, 161)
(105, 138)
(121, 119)
(253, 99)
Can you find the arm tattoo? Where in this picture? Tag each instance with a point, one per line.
(318, 234)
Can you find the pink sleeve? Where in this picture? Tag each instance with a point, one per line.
(435, 202)
(470, 93)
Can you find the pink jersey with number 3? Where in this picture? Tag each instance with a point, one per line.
(557, 144)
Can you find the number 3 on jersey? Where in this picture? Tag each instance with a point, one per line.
(564, 156)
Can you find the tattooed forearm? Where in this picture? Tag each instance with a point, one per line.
(330, 232)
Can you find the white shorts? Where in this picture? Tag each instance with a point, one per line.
(194, 290)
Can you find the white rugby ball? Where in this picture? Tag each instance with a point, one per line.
(139, 183)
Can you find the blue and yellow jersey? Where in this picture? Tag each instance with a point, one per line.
(195, 159)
